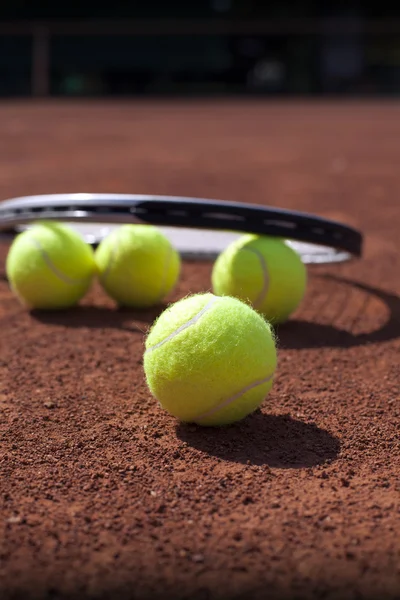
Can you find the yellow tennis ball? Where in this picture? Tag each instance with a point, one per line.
(137, 265)
(263, 271)
(210, 360)
(50, 266)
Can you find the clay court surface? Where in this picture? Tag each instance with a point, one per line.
(103, 495)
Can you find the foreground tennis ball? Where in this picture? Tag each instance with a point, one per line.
(263, 271)
(50, 266)
(210, 360)
(137, 265)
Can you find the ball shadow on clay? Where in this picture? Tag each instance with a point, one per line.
(94, 317)
(264, 439)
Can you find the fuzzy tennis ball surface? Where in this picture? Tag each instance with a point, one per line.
(210, 360)
(137, 265)
(50, 266)
(263, 271)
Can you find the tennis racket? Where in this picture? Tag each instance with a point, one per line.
(199, 228)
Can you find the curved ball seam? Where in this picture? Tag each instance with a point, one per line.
(184, 326)
(262, 295)
(233, 398)
(64, 278)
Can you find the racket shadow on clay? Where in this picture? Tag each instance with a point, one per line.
(278, 441)
(340, 312)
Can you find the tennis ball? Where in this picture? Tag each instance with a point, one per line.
(50, 266)
(263, 271)
(137, 265)
(210, 360)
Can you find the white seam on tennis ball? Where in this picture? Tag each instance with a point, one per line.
(184, 326)
(53, 268)
(232, 399)
(261, 296)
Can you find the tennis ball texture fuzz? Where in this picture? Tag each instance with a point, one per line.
(137, 265)
(263, 271)
(50, 266)
(210, 360)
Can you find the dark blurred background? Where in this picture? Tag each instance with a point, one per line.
(199, 47)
